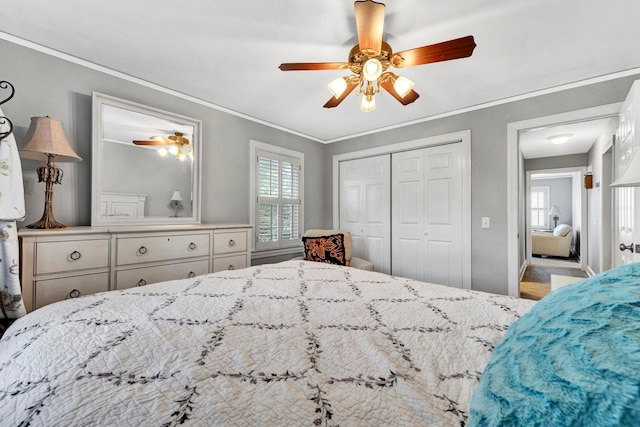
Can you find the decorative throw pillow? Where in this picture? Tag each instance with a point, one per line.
(573, 360)
(329, 249)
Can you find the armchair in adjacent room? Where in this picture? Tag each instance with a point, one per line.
(557, 243)
(346, 258)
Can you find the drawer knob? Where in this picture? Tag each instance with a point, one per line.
(191, 274)
(192, 246)
(231, 267)
(75, 255)
(141, 282)
(74, 293)
(142, 250)
(232, 243)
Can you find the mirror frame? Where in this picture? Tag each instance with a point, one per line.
(100, 99)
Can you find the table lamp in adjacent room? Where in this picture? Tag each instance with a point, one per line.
(176, 198)
(555, 213)
(48, 143)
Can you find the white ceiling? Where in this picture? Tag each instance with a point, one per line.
(535, 143)
(226, 53)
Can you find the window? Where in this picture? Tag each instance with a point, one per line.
(539, 207)
(277, 196)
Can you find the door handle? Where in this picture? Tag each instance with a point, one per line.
(624, 247)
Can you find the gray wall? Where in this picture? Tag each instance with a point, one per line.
(560, 194)
(49, 86)
(488, 164)
(557, 162)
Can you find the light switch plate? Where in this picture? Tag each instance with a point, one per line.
(486, 222)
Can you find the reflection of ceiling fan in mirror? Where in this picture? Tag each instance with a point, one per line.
(372, 56)
(177, 144)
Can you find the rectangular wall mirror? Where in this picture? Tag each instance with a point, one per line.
(145, 165)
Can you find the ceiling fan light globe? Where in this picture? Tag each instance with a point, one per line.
(173, 150)
(403, 86)
(163, 151)
(182, 157)
(372, 69)
(368, 103)
(338, 86)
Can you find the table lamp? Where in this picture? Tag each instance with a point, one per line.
(176, 198)
(555, 213)
(47, 143)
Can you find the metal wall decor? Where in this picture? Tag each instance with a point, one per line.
(5, 120)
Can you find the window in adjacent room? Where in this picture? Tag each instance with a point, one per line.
(277, 197)
(540, 207)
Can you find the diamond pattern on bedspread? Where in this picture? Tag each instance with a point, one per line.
(296, 343)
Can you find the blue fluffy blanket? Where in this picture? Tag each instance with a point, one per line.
(573, 360)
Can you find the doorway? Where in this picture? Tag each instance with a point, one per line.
(561, 202)
(516, 243)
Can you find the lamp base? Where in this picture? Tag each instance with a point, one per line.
(45, 223)
(50, 174)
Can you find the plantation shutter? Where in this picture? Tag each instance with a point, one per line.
(278, 211)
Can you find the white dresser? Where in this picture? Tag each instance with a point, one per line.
(74, 261)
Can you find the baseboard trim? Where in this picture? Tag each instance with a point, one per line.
(523, 268)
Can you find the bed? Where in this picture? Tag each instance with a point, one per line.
(295, 343)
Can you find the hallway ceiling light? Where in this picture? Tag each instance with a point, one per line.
(559, 139)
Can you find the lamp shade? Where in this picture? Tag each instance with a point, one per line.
(555, 211)
(176, 197)
(631, 175)
(46, 137)
(338, 86)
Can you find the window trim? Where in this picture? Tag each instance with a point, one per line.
(280, 246)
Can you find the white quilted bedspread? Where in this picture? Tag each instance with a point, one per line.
(295, 343)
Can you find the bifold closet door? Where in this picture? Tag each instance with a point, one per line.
(365, 208)
(426, 214)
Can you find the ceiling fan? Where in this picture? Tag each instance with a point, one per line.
(372, 56)
(178, 145)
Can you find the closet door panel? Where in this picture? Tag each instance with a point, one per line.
(410, 263)
(439, 268)
(365, 206)
(443, 221)
(407, 214)
(350, 206)
(427, 214)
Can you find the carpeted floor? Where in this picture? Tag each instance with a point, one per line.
(536, 282)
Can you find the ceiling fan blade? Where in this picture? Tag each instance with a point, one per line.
(408, 98)
(334, 102)
(370, 25)
(445, 51)
(311, 66)
(155, 142)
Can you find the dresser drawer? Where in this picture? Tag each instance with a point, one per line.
(229, 241)
(71, 255)
(53, 290)
(134, 250)
(147, 275)
(234, 262)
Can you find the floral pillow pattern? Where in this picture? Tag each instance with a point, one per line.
(328, 249)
